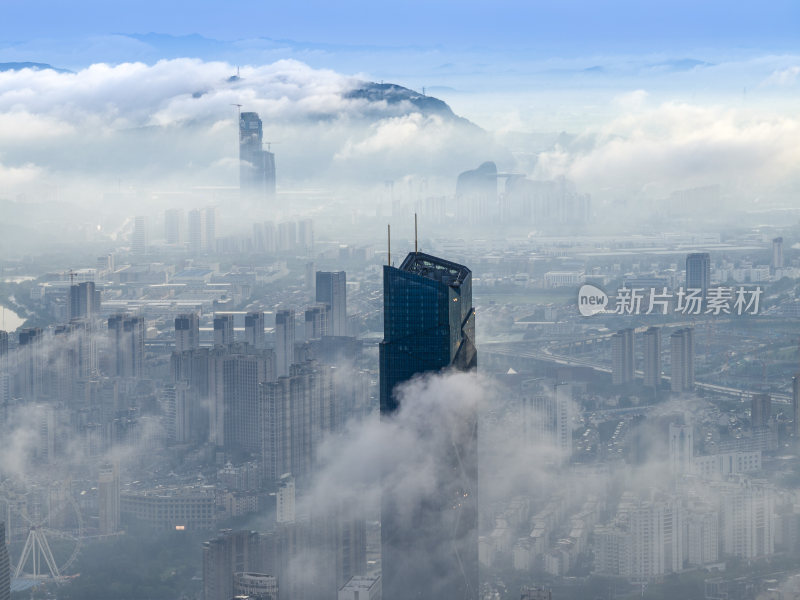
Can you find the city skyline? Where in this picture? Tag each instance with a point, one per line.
(377, 302)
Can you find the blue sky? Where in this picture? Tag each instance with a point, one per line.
(533, 28)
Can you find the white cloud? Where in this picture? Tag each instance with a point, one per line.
(787, 76)
(678, 145)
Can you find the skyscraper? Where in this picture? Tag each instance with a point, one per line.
(284, 341)
(223, 330)
(298, 412)
(652, 357)
(210, 239)
(332, 291)
(623, 357)
(317, 324)
(195, 231)
(546, 418)
(187, 332)
(430, 549)
(254, 329)
(256, 165)
(760, 410)
(172, 226)
(108, 498)
(84, 300)
(139, 242)
(681, 448)
(126, 335)
(698, 271)
(777, 254)
(682, 359)
(231, 552)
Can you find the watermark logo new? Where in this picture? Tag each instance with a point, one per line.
(591, 300)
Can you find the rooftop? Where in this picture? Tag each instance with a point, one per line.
(438, 269)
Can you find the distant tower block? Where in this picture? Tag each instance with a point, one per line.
(623, 367)
(256, 165)
(332, 292)
(223, 330)
(652, 357)
(777, 254)
(187, 332)
(682, 358)
(698, 271)
(139, 242)
(254, 329)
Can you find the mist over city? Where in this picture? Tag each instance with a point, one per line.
(444, 301)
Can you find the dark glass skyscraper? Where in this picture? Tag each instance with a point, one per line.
(698, 271)
(430, 548)
(256, 165)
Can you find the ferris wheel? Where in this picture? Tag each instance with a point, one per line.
(51, 520)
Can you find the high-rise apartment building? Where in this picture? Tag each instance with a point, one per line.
(747, 518)
(429, 542)
(173, 219)
(546, 418)
(644, 543)
(243, 370)
(760, 410)
(231, 552)
(187, 332)
(84, 300)
(317, 323)
(223, 330)
(698, 271)
(195, 231)
(682, 359)
(284, 341)
(126, 335)
(256, 165)
(254, 329)
(652, 357)
(623, 357)
(777, 254)
(139, 241)
(332, 292)
(108, 499)
(210, 229)
(681, 448)
(298, 411)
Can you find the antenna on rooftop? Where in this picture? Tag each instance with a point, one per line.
(389, 242)
(415, 233)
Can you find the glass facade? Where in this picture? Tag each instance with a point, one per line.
(429, 539)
